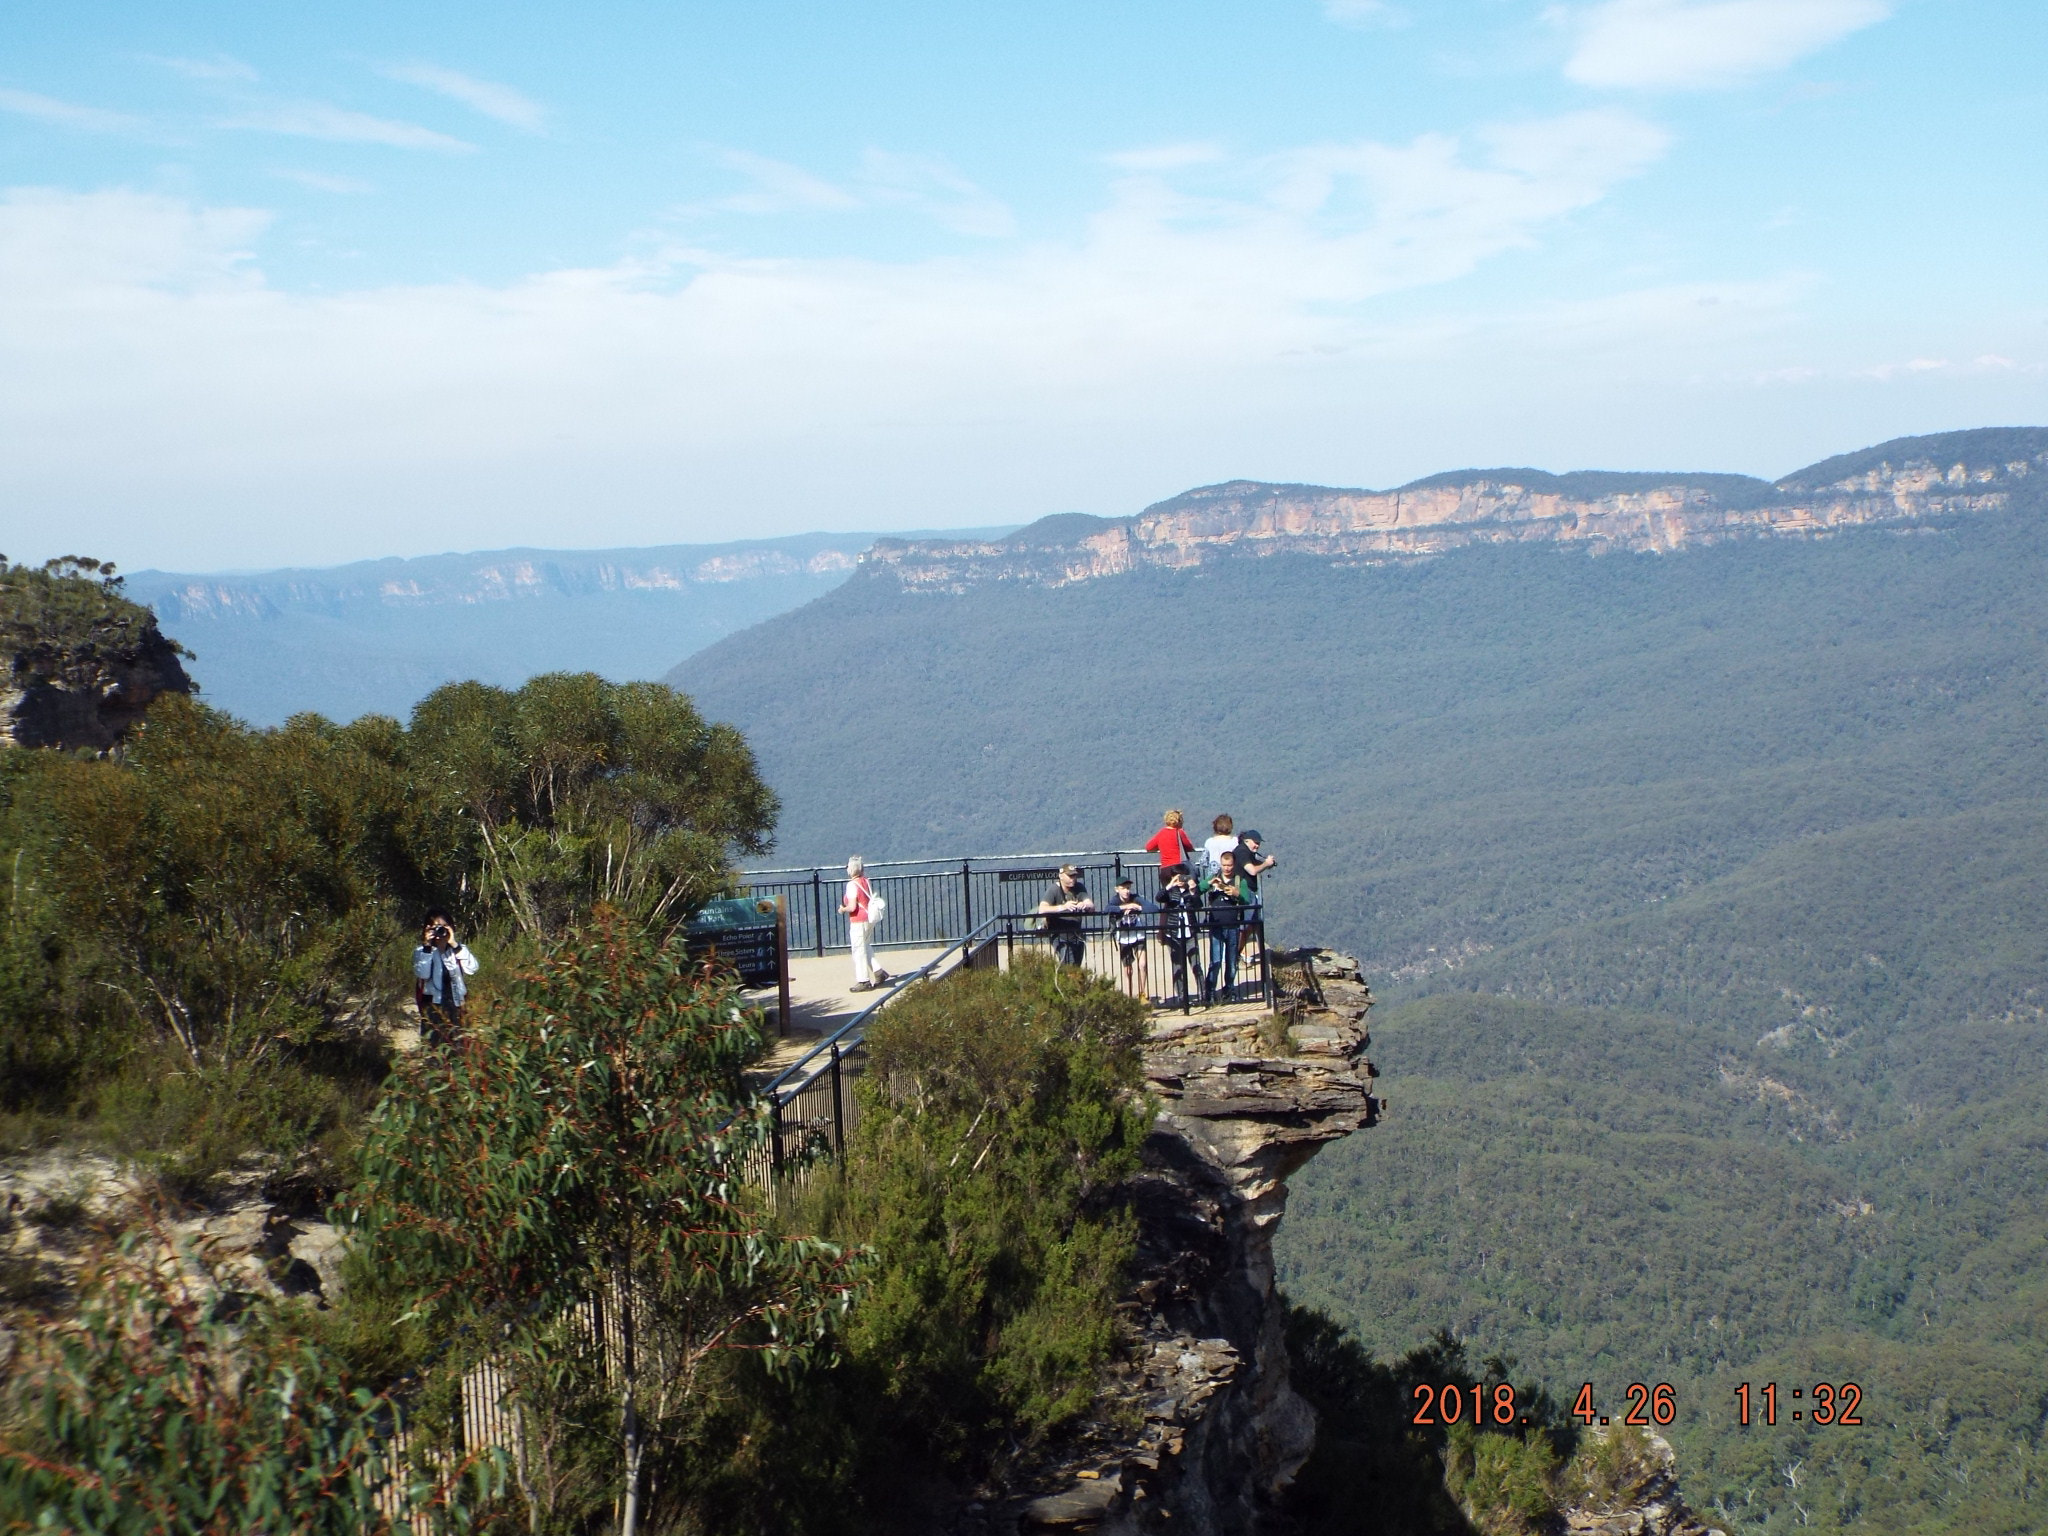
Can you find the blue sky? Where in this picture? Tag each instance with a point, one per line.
(297, 284)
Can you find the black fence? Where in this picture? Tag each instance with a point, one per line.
(1213, 956)
(940, 901)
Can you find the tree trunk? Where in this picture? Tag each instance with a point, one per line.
(629, 1405)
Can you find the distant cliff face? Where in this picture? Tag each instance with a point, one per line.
(1911, 480)
(496, 577)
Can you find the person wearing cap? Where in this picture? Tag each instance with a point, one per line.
(1251, 863)
(1064, 901)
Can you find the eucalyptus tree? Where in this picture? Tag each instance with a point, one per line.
(539, 802)
(570, 1190)
(233, 888)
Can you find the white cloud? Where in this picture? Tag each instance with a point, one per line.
(320, 120)
(1165, 157)
(1694, 44)
(926, 183)
(929, 183)
(78, 251)
(65, 114)
(319, 181)
(498, 102)
(143, 360)
(779, 187)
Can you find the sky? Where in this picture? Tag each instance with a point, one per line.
(310, 283)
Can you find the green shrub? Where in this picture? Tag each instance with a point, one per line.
(1000, 1113)
(588, 1144)
(172, 1406)
(1506, 1483)
(1613, 1468)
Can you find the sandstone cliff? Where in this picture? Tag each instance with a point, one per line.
(1912, 480)
(81, 662)
(1203, 1433)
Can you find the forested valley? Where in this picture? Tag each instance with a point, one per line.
(1702, 893)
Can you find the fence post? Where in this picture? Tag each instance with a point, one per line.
(967, 897)
(838, 1108)
(775, 1134)
(782, 962)
(818, 910)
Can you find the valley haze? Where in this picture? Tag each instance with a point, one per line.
(376, 636)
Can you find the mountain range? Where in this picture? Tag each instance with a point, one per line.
(377, 636)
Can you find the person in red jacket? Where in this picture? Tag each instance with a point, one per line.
(1172, 844)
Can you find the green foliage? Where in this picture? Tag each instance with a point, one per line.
(170, 1404)
(1505, 1483)
(1623, 1197)
(66, 618)
(231, 887)
(1000, 1111)
(1376, 1472)
(571, 790)
(1613, 1469)
(588, 1144)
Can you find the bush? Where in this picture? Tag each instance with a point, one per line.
(1614, 1468)
(173, 1406)
(1506, 1483)
(1000, 1113)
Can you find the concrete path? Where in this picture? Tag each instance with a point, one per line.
(819, 999)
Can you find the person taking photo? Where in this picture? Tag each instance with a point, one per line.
(441, 966)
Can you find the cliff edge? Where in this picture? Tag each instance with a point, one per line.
(82, 663)
(1202, 1432)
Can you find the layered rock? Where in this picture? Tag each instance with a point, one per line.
(79, 663)
(1913, 480)
(1203, 1432)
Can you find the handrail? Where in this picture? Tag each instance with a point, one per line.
(856, 1026)
(978, 858)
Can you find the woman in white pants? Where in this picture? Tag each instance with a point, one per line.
(860, 927)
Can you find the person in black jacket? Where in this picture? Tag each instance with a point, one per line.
(1224, 905)
(1180, 904)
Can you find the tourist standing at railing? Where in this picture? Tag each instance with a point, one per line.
(1252, 863)
(1180, 899)
(1065, 899)
(1173, 845)
(1131, 937)
(863, 910)
(1224, 916)
(1223, 841)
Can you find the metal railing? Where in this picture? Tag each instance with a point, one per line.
(1172, 959)
(939, 901)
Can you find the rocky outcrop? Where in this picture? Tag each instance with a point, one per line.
(1912, 480)
(263, 1232)
(88, 704)
(1651, 1505)
(1202, 1432)
(81, 663)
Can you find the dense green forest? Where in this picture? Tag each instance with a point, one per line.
(1703, 895)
